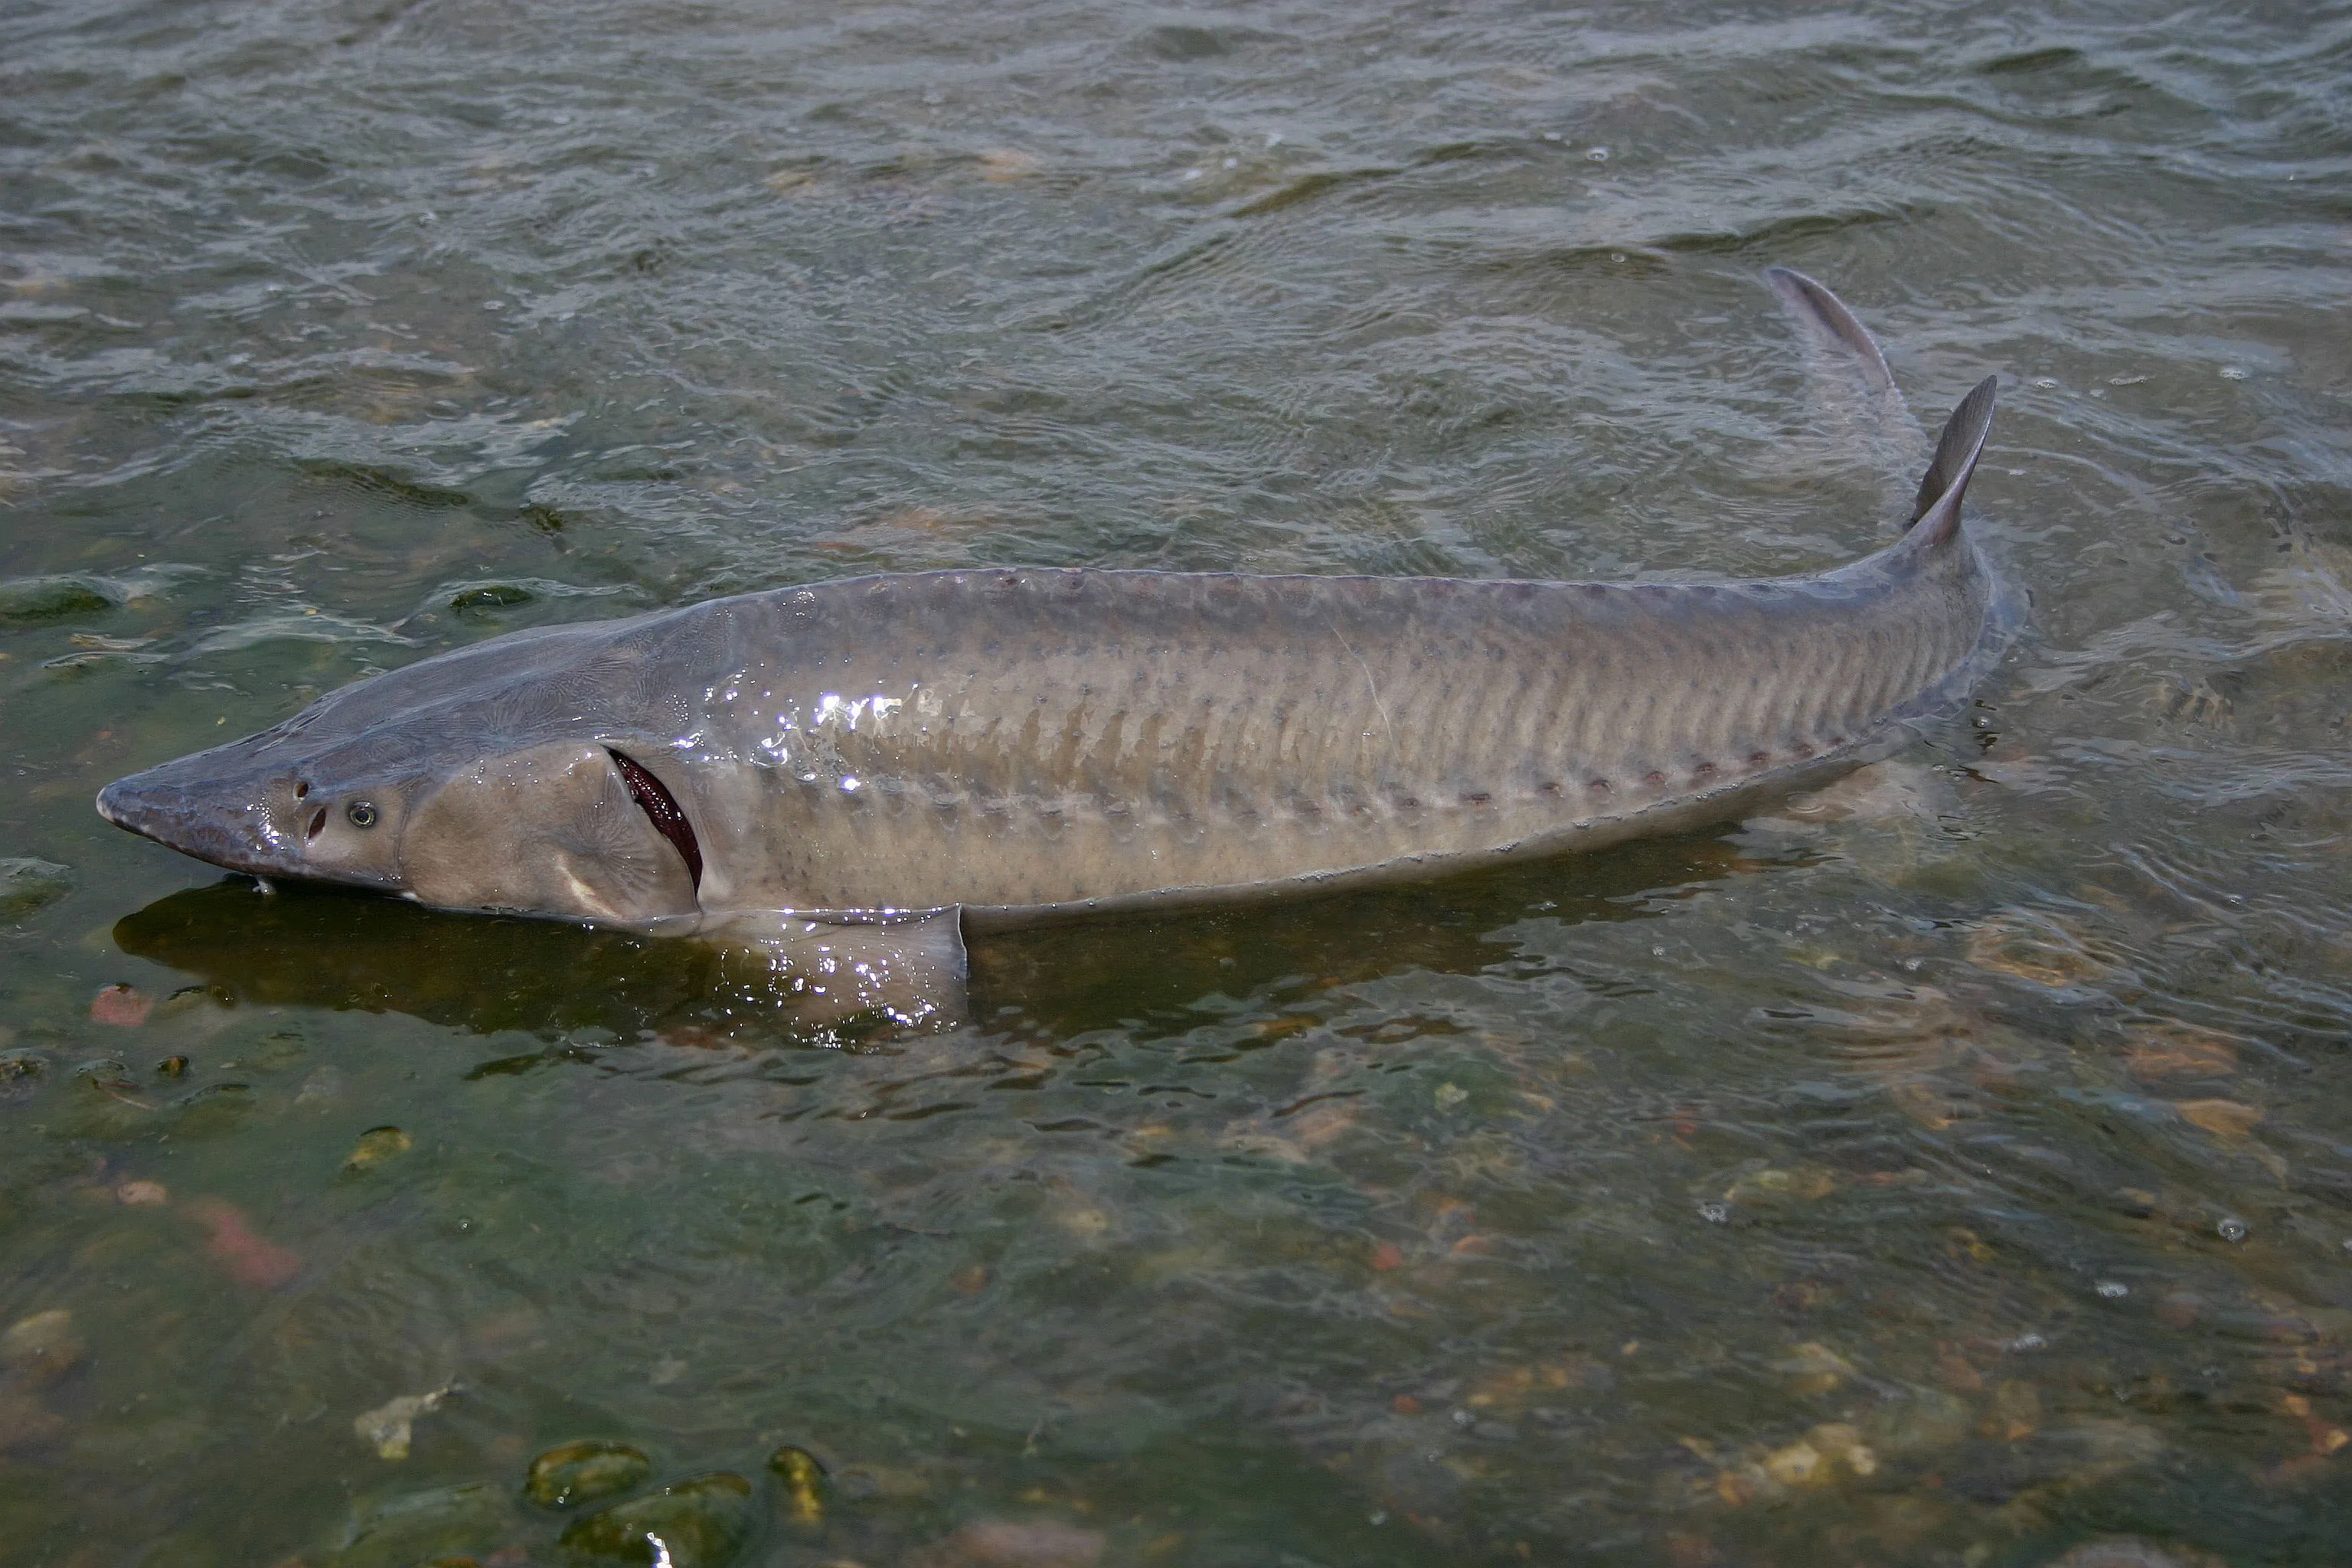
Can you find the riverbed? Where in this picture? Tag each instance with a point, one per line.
(1953, 1168)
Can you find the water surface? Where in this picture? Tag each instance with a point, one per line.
(1955, 1172)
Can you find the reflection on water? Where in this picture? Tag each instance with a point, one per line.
(325, 948)
(1949, 1171)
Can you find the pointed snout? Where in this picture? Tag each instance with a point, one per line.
(227, 828)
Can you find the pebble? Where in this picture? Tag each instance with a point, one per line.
(1805, 1183)
(41, 1348)
(701, 1522)
(489, 595)
(20, 1074)
(377, 1145)
(803, 1480)
(123, 1007)
(1840, 1442)
(53, 598)
(2177, 1050)
(1923, 1421)
(24, 1422)
(2222, 1118)
(27, 884)
(2035, 947)
(1814, 1368)
(1799, 1463)
(390, 1426)
(585, 1472)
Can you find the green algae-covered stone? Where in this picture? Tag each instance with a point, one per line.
(378, 1145)
(577, 1473)
(803, 1480)
(702, 1522)
(51, 598)
(26, 885)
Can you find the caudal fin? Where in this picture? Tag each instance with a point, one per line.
(1854, 401)
(1935, 513)
(1831, 322)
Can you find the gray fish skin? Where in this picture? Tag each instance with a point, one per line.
(1032, 745)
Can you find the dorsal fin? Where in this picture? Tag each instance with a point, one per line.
(1936, 514)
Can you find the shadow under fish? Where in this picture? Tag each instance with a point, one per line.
(330, 948)
(335, 950)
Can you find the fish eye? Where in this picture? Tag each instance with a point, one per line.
(360, 813)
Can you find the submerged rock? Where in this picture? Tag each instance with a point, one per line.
(377, 1145)
(701, 1522)
(1814, 1368)
(2036, 947)
(2222, 1118)
(53, 598)
(2178, 1050)
(27, 884)
(26, 1422)
(803, 1480)
(488, 596)
(390, 1427)
(1922, 1420)
(576, 1473)
(41, 1348)
(122, 1006)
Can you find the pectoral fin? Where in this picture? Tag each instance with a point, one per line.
(908, 969)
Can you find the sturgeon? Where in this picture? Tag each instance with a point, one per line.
(919, 754)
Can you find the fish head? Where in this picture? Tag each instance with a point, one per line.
(502, 777)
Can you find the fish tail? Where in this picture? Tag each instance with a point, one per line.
(1935, 512)
(1829, 321)
(1859, 392)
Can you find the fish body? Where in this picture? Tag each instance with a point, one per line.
(1029, 744)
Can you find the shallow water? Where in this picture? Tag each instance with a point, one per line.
(1954, 1172)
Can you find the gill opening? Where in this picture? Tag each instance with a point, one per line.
(661, 809)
